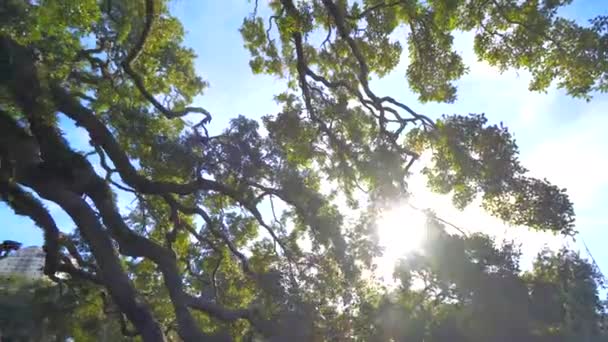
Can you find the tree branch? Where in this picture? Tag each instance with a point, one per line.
(67, 267)
(170, 114)
(132, 56)
(141, 42)
(101, 136)
(23, 203)
(370, 9)
(113, 276)
(216, 232)
(216, 310)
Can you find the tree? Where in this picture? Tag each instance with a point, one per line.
(43, 311)
(199, 257)
(467, 288)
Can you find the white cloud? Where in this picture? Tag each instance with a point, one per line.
(575, 157)
(482, 69)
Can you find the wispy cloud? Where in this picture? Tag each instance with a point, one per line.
(574, 156)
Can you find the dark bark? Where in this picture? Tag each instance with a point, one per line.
(114, 278)
(23, 203)
(50, 183)
(101, 136)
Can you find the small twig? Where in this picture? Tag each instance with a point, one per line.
(72, 250)
(593, 259)
(460, 230)
(255, 9)
(273, 17)
(170, 114)
(103, 162)
(122, 187)
(410, 163)
(329, 31)
(211, 226)
(171, 236)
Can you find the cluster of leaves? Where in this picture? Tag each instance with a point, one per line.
(471, 157)
(525, 35)
(202, 254)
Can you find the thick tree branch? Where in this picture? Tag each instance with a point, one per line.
(23, 203)
(114, 278)
(363, 74)
(131, 243)
(59, 186)
(304, 70)
(101, 136)
(135, 245)
(218, 311)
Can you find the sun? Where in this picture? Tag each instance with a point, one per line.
(401, 230)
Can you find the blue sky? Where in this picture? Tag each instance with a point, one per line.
(560, 138)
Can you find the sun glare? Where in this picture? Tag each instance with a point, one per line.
(401, 230)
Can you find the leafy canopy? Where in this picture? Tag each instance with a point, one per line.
(202, 254)
(468, 288)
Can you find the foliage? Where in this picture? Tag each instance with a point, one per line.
(466, 288)
(202, 254)
(470, 157)
(525, 35)
(43, 311)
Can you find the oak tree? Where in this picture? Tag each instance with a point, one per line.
(203, 255)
